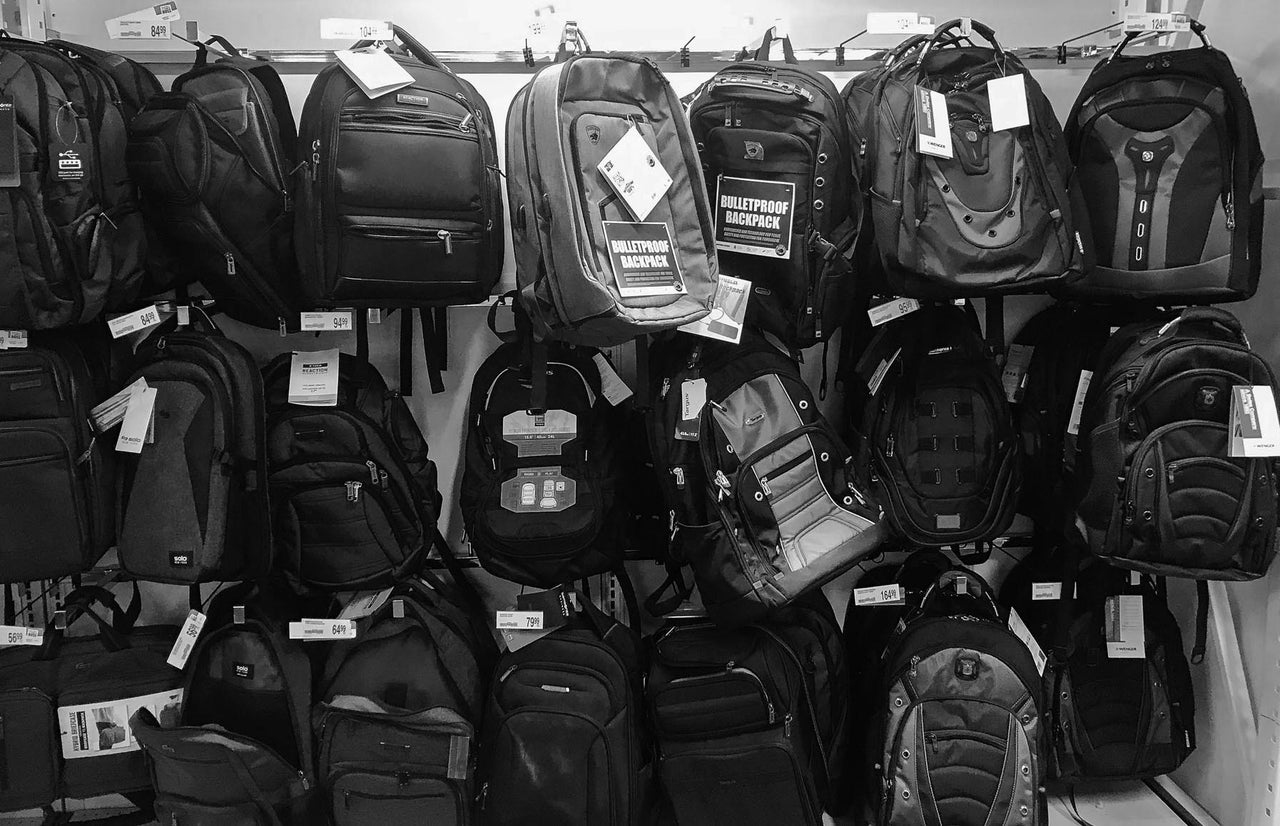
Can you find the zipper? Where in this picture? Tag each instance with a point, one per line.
(806, 693)
(231, 263)
(447, 237)
(353, 491)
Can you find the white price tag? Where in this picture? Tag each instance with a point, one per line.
(374, 315)
(109, 413)
(1008, 98)
(350, 28)
(137, 420)
(1125, 628)
(879, 595)
(895, 308)
(1077, 406)
(125, 28)
(1022, 632)
(186, 642)
(519, 620)
(20, 635)
(374, 71)
(133, 322)
(342, 321)
(322, 629)
(898, 22)
(933, 124)
(184, 315)
(1046, 590)
(614, 389)
(1138, 21)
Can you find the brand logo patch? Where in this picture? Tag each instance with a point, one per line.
(948, 521)
(29, 384)
(244, 670)
(413, 100)
(967, 668)
(593, 134)
(755, 150)
(756, 419)
(180, 559)
(1148, 156)
(1207, 397)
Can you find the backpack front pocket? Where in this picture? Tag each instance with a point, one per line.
(51, 529)
(743, 784)
(394, 798)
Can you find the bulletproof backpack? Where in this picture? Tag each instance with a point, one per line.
(1108, 717)
(355, 476)
(761, 488)
(936, 431)
(399, 200)
(241, 751)
(193, 504)
(1157, 488)
(399, 708)
(55, 242)
(213, 160)
(1000, 215)
(57, 479)
(588, 270)
(776, 154)
(133, 83)
(751, 721)
(564, 737)
(961, 738)
(541, 476)
(1167, 154)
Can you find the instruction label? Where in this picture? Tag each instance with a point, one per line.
(643, 259)
(69, 161)
(755, 217)
(933, 124)
(539, 490)
(539, 434)
(95, 729)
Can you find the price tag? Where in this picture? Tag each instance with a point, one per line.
(1077, 406)
(1137, 21)
(1008, 98)
(137, 420)
(349, 28)
(20, 635)
(186, 642)
(322, 629)
(615, 390)
(519, 620)
(1045, 590)
(933, 124)
(895, 308)
(123, 325)
(1014, 377)
(898, 22)
(339, 320)
(123, 28)
(879, 595)
(1022, 632)
(1135, 578)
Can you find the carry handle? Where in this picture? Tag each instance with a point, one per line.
(1209, 315)
(788, 52)
(947, 579)
(767, 84)
(505, 336)
(986, 32)
(411, 45)
(202, 49)
(79, 603)
(1129, 37)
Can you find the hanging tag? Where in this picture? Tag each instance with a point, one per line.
(69, 161)
(137, 420)
(1045, 590)
(895, 22)
(693, 397)
(186, 642)
(1125, 628)
(123, 325)
(313, 378)
(515, 639)
(132, 28)
(10, 173)
(894, 308)
(21, 635)
(322, 629)
(966, 26)
(1014, 377)
(110, 413)
(614, 389)
(1135, 578)
(1008, 98)
(933, 124)
(13, 339)
(882, 370)
(363, 604)
(374, 315)
(341, 321)
(348, 28)
(879, 595)
(1252, 420)
(553, 605)
(519, 620)
(643, 259)
(373, 70)
(634, 172)
(728, 311)
(1077, 406)
(184, 315)
(754, 217)
(1022, 632)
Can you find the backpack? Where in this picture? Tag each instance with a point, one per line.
(761, 488)
(1109, 718)
(540, 480)
(193, 505)
(579, 274)
(564, 735)
(1157, 490)
(242, 750)
(1002, 215)
(936, 430)
(398, 711)
(55, 245)
(354, 476)
(958, 713)
(750, 720)
(785, 124)
(1167, 154)
(57, 479)
(132, 82)
(213, 159)
(399, 201)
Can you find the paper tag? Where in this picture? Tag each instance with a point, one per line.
(539, 490)
(1014, 378)
(643, 259)
(13, 339)
(1125, 628)
(136, 27)
(1008, 98)
(96, 729)
(374, 315)
(9, 170)
(895, 308)
(615, 390)
(69, 161)
(634, 172)
(133, 322)
(184, 315)
(351, 28)
(728, 311)
(1252, 420)
(21, 635)
(110, 413)
(693, 397)
(1022, 632)
(313, 378)
(1077, 406)
(363, 604)
(1135, 578)
(373, 70)
(754, 217)
(895, 22)
(1046, 590)
(137, 420)
(879, 595)
(340, 320)
(322, 629)
(520, 620)
(186, 642)
(539, 434)
(882, 370)
(1137, 21)
(933, 124)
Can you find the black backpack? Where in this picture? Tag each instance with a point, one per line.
(132, 82)
(399, 708)
(564, 736)
(1167, 154)
(785, 123)
(540, 478)
(57, 481)
(355, 476)
(936, 430)
(960, 733)
(213, 159)
(1157, 490)
(751, 721)
(756, 451)
(193, 505)
(1108, 718)
(399, 201)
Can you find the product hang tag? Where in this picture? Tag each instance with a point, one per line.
(102, 728)
(342, 321)
(693, 397)
(1252, 420)
(1008, 97)
(13, 339)
(1014, 378)
(313, 378)
(363, 604)
(1045, 590)
(882, 370)
(69, 161)
(351, 28)
(933, 124)
(643, 259)
(612, 387)
(123, 325)
(1022, 632)
(110, 413)
(634, 172)
(519, 620)
(894, 308)
(21, 635)
(9, 169)
(1077, 406)
(137, 420)
(186, 642)
(373, 70)
(553, 606)
(539, 490)
(1125, 627)
(539, 434)
(728, 312)
(754, 217)
(879, 595)
(322, 629)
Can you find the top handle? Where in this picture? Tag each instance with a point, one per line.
(788, 52)
(948, 579)
(982, 29)
(411, 45)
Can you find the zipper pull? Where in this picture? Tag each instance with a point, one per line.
(383, 480)
(671, 526)
(288, 202)
(764, 486)
(678, 472)
(666, 388)
(353, 491)
(915, 662)
(1231, 210)
(862, 148)
(484, 795)
(888, 446)
(373, 470)
(932, 740)
(465, 126)
(447, 237)
(786, 724)
(346, 801)
(722, 482)
(231, 263)
(1173, 466)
